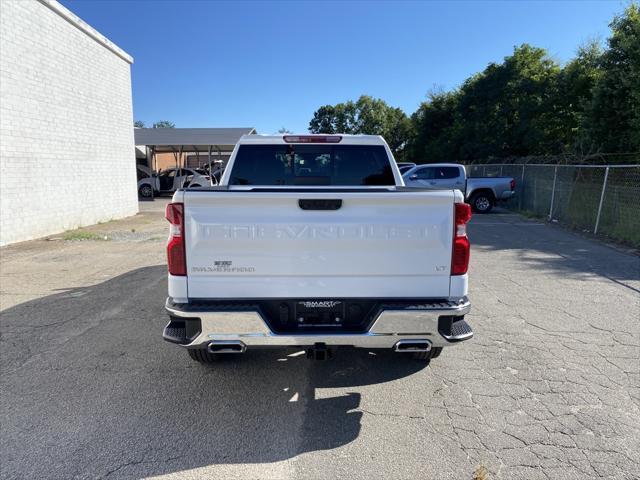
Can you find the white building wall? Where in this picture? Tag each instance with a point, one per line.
(67, 154)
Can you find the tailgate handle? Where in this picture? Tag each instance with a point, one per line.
(319, 204)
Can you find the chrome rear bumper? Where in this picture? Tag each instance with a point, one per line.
(441, 324)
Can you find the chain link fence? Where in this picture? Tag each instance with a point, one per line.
(600, 199)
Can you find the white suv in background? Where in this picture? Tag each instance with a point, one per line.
(170, 180)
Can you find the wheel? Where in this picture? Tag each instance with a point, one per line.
(202, 355)
(428, 356)
(482, 203)
(145, 191)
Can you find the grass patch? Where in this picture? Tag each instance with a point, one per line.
(530, 214)
(481, 473)
(80, 235)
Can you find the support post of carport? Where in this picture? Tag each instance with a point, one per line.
(175, 157)
(154, 167)
(175, 160)
(210, 171)
(180, 170)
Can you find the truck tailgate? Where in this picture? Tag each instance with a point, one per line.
(262, 244)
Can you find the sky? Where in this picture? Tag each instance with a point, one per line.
(270, 65)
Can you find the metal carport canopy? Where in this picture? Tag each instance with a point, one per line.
(163, 140)
(179, 140)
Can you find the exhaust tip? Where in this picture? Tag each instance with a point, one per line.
(411, 346)
(226, 346)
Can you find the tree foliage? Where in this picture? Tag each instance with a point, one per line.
(138, 124)
(528, 104)
(499, 110)
(573, 97)
(433, 126)
(164, 124)
(614, 117)
(368, 115)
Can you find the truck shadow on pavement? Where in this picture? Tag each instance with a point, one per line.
(91, 390)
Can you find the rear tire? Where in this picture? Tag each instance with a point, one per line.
(202, 355)
(427, 356)
(145, 191)
(482, 202)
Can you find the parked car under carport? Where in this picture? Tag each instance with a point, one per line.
(170, 180)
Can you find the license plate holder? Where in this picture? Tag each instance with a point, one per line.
(320, 313)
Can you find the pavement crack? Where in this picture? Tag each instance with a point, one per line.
(384, 414)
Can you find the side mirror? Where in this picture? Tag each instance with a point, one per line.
(413, 177)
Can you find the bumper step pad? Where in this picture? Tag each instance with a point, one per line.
(175, 334)
(181, 330)
(454, 329)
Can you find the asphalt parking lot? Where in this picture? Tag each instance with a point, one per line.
(548, 388)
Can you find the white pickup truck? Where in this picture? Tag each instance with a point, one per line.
(314, 242)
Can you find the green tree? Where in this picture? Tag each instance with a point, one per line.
(526, 105)
(614, 116)
(138, 124)
(432, 138)
(164, 124)
(323, 120)
(501, 109)
(398, 130)
(574, 95)
(368, 115)
(339, 118)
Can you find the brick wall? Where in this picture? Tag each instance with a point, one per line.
(66, 134)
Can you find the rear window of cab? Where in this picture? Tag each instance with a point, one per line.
(297, 164)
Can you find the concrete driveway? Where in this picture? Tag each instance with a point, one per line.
(548, 388)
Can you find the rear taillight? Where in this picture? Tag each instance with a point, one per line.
(513, 184)
(176, 257)
(461, 246)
